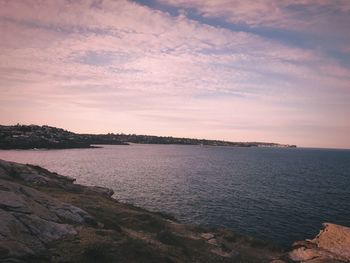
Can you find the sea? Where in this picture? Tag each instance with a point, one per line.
(279, 195)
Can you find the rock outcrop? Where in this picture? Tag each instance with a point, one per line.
(30, 219)
(331, 245)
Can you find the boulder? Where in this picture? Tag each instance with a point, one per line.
(331, 245)
(334, 238)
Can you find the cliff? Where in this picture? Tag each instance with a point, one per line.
(46, 217)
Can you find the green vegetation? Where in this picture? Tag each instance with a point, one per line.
(34, 136)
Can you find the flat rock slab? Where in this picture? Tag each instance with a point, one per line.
(207, 236)
(31, 219)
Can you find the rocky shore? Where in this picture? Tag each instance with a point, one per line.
(46, 217)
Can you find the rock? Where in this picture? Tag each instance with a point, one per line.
(11, 250)
(32, 174)
(305, 254)
(332, 244)
(23, 233)
(28, 200)
(334, 238)
(102, 190)
(207, 236)
(30, 219)
(45, 231)
(213, 241)
(16, 239)
(210, 238)
(13, 202)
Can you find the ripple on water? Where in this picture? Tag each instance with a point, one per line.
(276, 194)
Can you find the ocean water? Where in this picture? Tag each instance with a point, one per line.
(276, 194)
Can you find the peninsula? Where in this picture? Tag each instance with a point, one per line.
(34, 136)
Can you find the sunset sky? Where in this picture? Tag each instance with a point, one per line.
(268, 70)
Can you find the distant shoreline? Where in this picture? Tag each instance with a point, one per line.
(46, 137)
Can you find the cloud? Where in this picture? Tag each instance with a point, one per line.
(287, 14)
(129, 65)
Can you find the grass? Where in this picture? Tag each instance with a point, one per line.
(111, 243)
(97, 252)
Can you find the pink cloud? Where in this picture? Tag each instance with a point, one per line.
(130, 68)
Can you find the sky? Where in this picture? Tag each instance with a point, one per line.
(237, 70)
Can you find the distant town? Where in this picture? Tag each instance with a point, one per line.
(35, 136)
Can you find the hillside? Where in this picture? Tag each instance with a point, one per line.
(34, 136)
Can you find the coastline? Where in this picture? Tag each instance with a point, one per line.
(35, 136)
(49, 218)
(87, 222)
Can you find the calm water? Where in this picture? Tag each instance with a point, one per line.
(275, 194)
